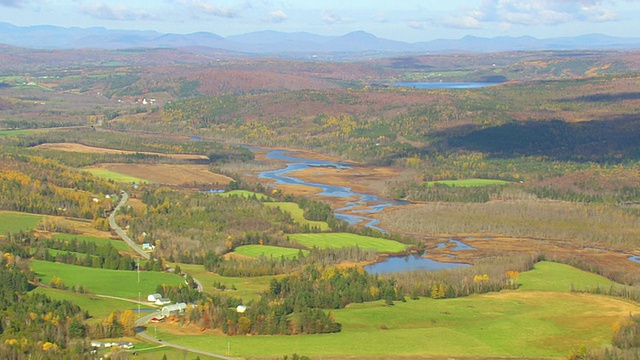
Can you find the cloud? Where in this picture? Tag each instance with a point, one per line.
(380, 17)
(117, 12)
(530, 13)
(13, 3)
(199, 7)
(330, 17)
(415, 25)
(276, 16)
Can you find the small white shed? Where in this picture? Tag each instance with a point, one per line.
(174, 309)
(154, 297)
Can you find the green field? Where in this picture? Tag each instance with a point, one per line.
(246, 288)
(16, 221)
(340, 240)
(564, 277)
(246, 194)
(105, 282)
(521, 323)
(99, 308)
(14, 132)
(118, 177)
(256, 251)
(298, 215)
(468, 182)
(118, 244)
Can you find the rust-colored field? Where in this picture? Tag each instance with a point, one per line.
(73, 147)
(189, 175)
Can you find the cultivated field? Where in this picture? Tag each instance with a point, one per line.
(167, 174)
(123, 284)
(298, 215)
(255, 251)
(11, 221)
(118, 244)
(340, 240)
(521, 323)
(73, 147)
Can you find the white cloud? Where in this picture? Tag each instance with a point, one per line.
(198, 7)
(118, 12)
(530, 13)
(416, 25)
(276, 16)
(330, 17)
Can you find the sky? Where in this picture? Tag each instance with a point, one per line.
(403, 20)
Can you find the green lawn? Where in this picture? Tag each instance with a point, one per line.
(118, 177)
(106, 282)
(14, 132)
(522, 323)
(255, 251)
(340, 240)
(99, 308)
(118, 244)
(15, 221)
(468, 182)
(298, 214)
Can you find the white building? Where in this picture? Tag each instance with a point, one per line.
(174, 309)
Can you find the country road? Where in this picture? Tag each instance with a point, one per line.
(140, 330)
(123, 235)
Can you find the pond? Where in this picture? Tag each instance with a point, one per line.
(409, 263)
(444, 85)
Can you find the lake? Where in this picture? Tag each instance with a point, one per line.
(409, 263)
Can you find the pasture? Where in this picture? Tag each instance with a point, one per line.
(118, 244)
(11, 221)
(340, 240)
(117, 283)
(520, 323)
(246, 288)
(115, 176)
(99, 308)
(298, 215)
(255, 251)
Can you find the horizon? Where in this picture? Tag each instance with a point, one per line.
(409, 22)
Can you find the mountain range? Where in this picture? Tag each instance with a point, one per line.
(293, 44)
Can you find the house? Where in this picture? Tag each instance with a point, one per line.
(125, 345)
(163, 301)
(154, 297)
(174, 309)
(147, 246)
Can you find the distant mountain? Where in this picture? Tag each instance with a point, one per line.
(291, 44)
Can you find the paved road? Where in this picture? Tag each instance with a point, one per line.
(120, 232)
(140, 330)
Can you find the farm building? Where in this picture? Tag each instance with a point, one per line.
(154, 297)
(163, 301)
(174, 309)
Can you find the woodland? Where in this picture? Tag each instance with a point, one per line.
(555, 140)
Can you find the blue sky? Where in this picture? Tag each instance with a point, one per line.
(406, 20)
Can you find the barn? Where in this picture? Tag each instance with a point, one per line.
(174, 309)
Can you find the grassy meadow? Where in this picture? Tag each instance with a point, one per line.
(256, 251)
(246, 288)
(11, 221)
(298, 215)
(105, 282)
(529, 322)
(340, 240)
(117, 177)
(99, 308)
(118, 244)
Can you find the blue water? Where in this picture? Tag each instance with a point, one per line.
(444, 85)
(409, 263)
(635, 258)
(369, 203)
(460, 246)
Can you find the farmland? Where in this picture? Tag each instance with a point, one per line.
(268, 251)
(13, 221)
(480, 321)
(339, 240)
(123, 284)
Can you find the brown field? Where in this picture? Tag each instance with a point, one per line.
(73, 147)
(171, 174)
